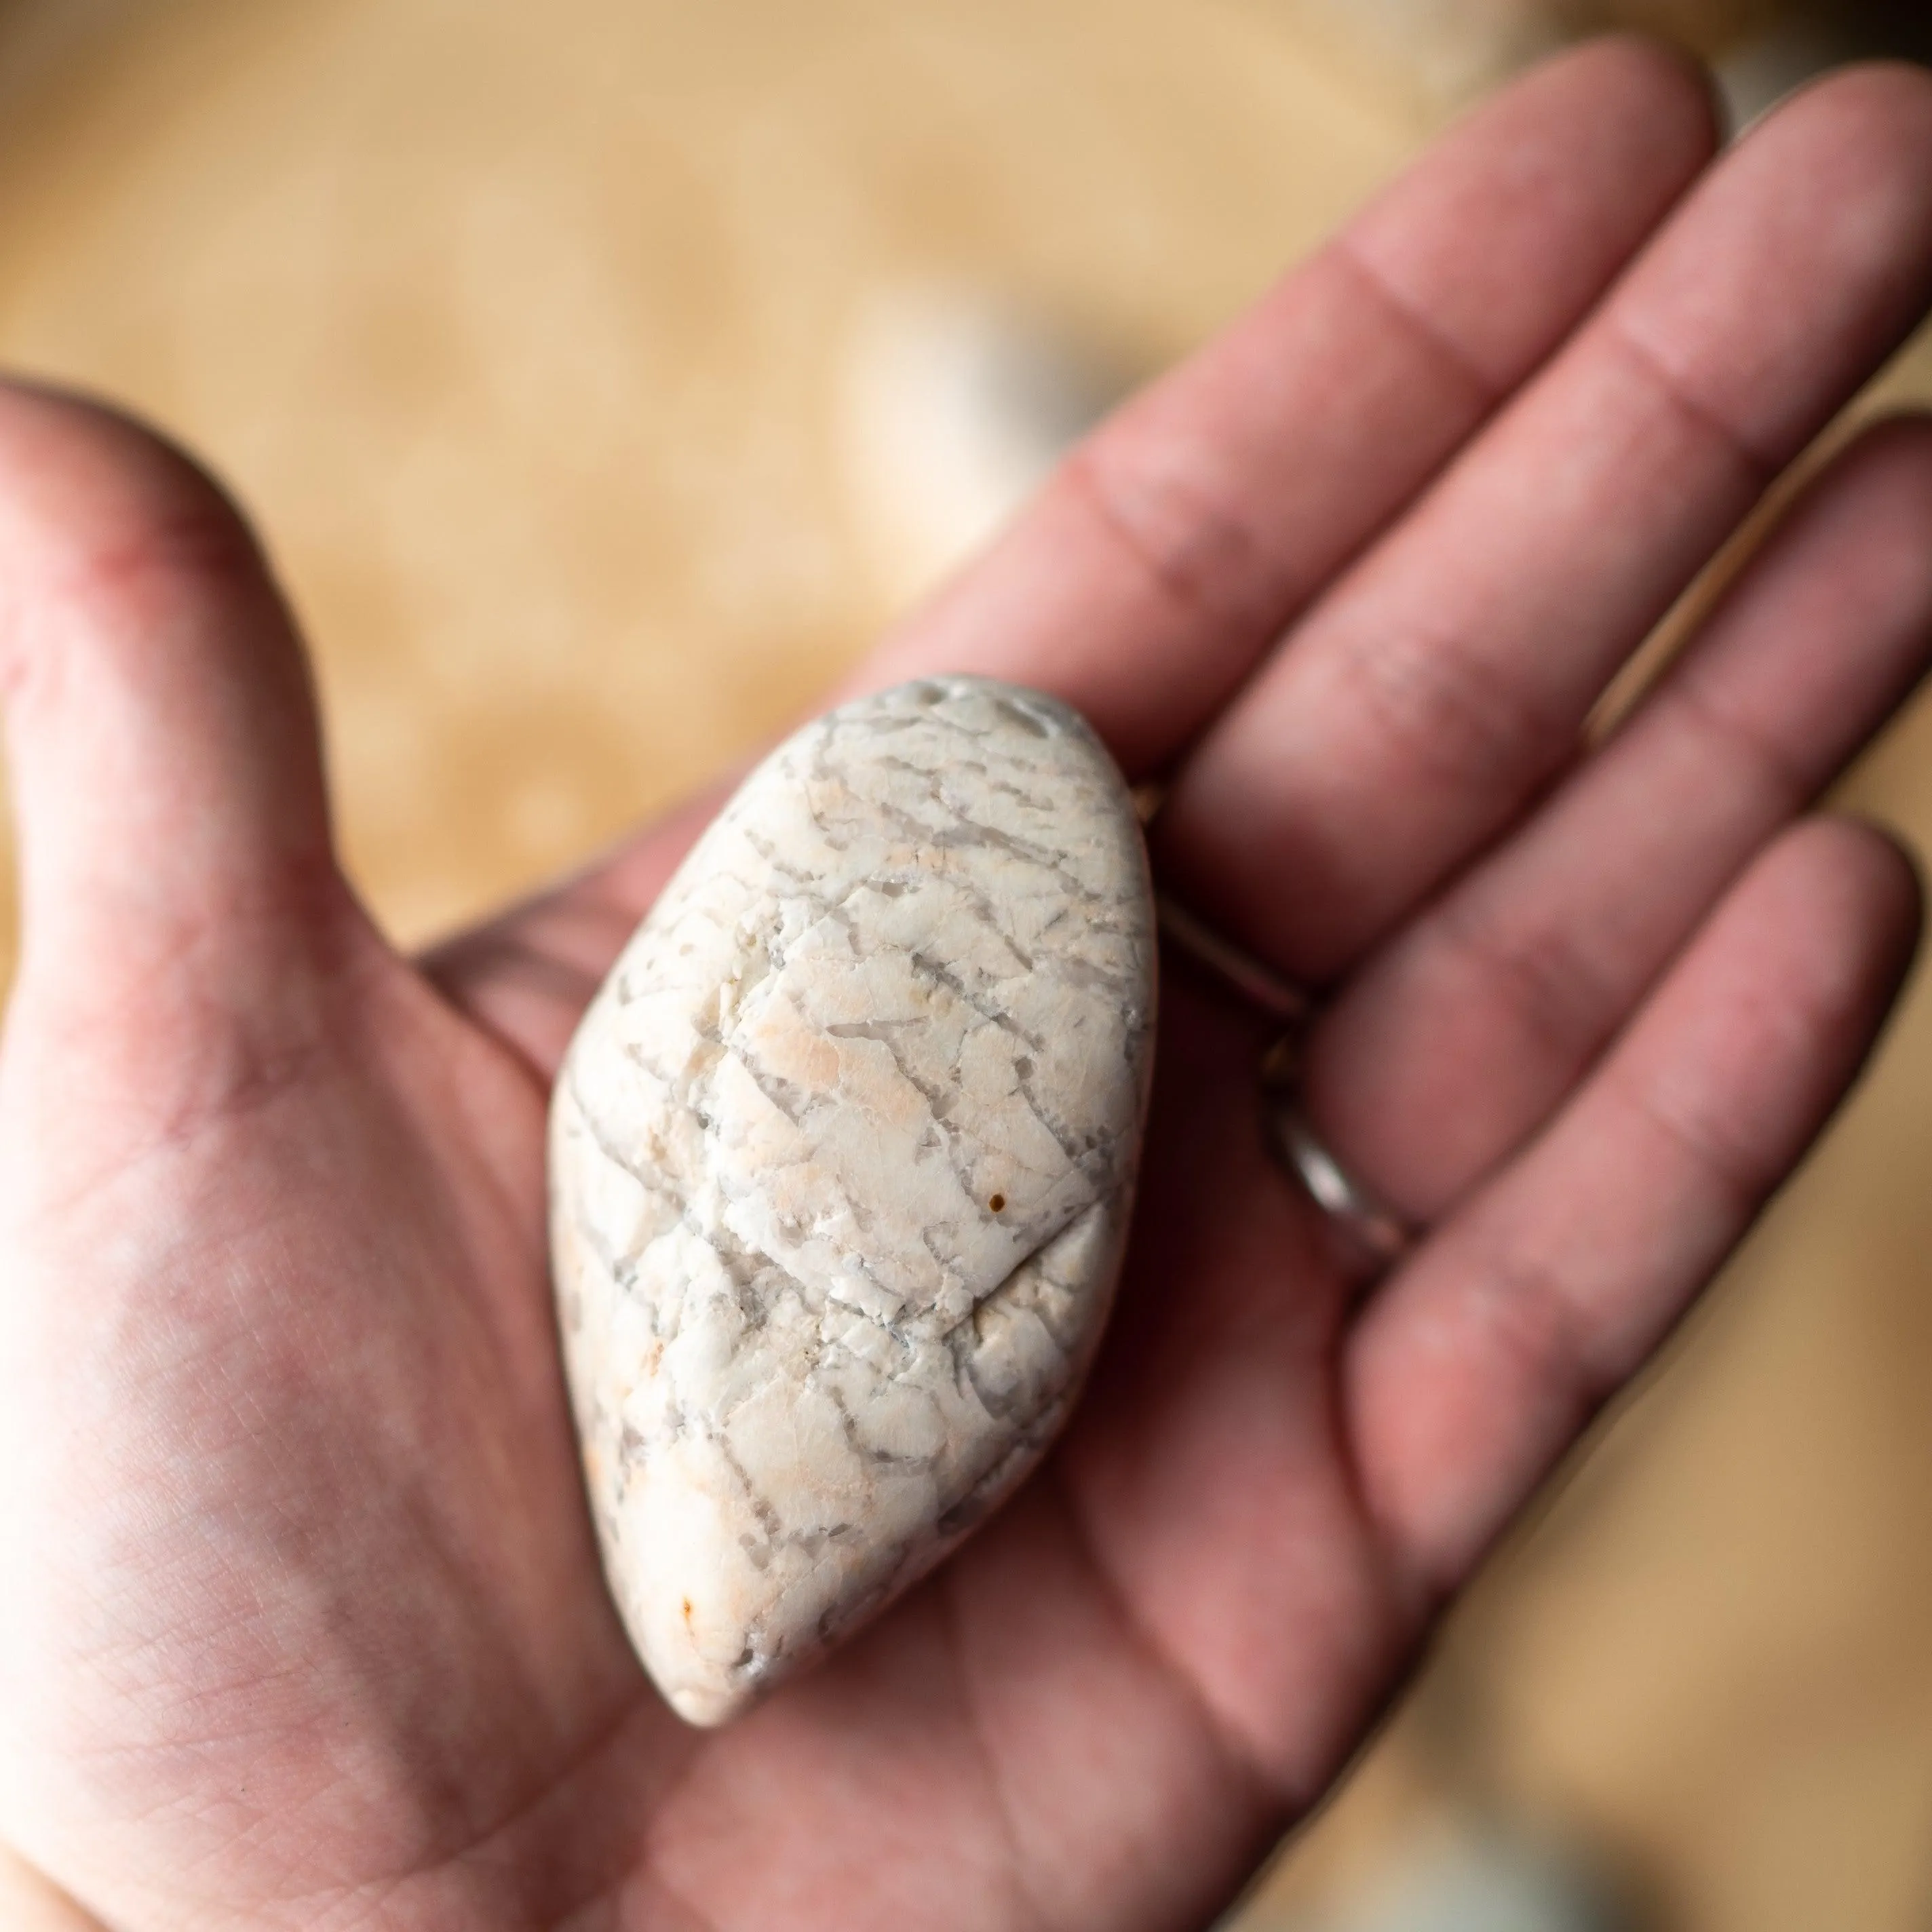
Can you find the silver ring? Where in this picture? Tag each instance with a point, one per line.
(1374, 1236)
(1374, 1233)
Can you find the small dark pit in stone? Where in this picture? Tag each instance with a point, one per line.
(998, 1201)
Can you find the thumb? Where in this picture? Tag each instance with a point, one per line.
(160, 725)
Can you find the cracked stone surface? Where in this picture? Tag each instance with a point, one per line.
(842, 1158)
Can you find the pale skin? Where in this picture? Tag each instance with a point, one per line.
(300, 1620)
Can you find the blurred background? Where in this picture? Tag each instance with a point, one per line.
(604, 375)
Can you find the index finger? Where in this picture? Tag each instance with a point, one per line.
(1174, 546)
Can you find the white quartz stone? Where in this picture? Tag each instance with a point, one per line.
(841, 1161)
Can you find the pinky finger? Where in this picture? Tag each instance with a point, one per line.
(1477, 1365)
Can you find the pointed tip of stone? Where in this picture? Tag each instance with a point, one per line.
(708, 1706)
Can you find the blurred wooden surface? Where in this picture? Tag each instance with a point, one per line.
(518, 330)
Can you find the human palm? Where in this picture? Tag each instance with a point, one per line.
(301, 1622)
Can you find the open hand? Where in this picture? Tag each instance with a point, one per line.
(301, 1622)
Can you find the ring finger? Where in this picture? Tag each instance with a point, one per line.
(1456, 1040)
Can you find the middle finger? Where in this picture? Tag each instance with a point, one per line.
(1415, 710)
